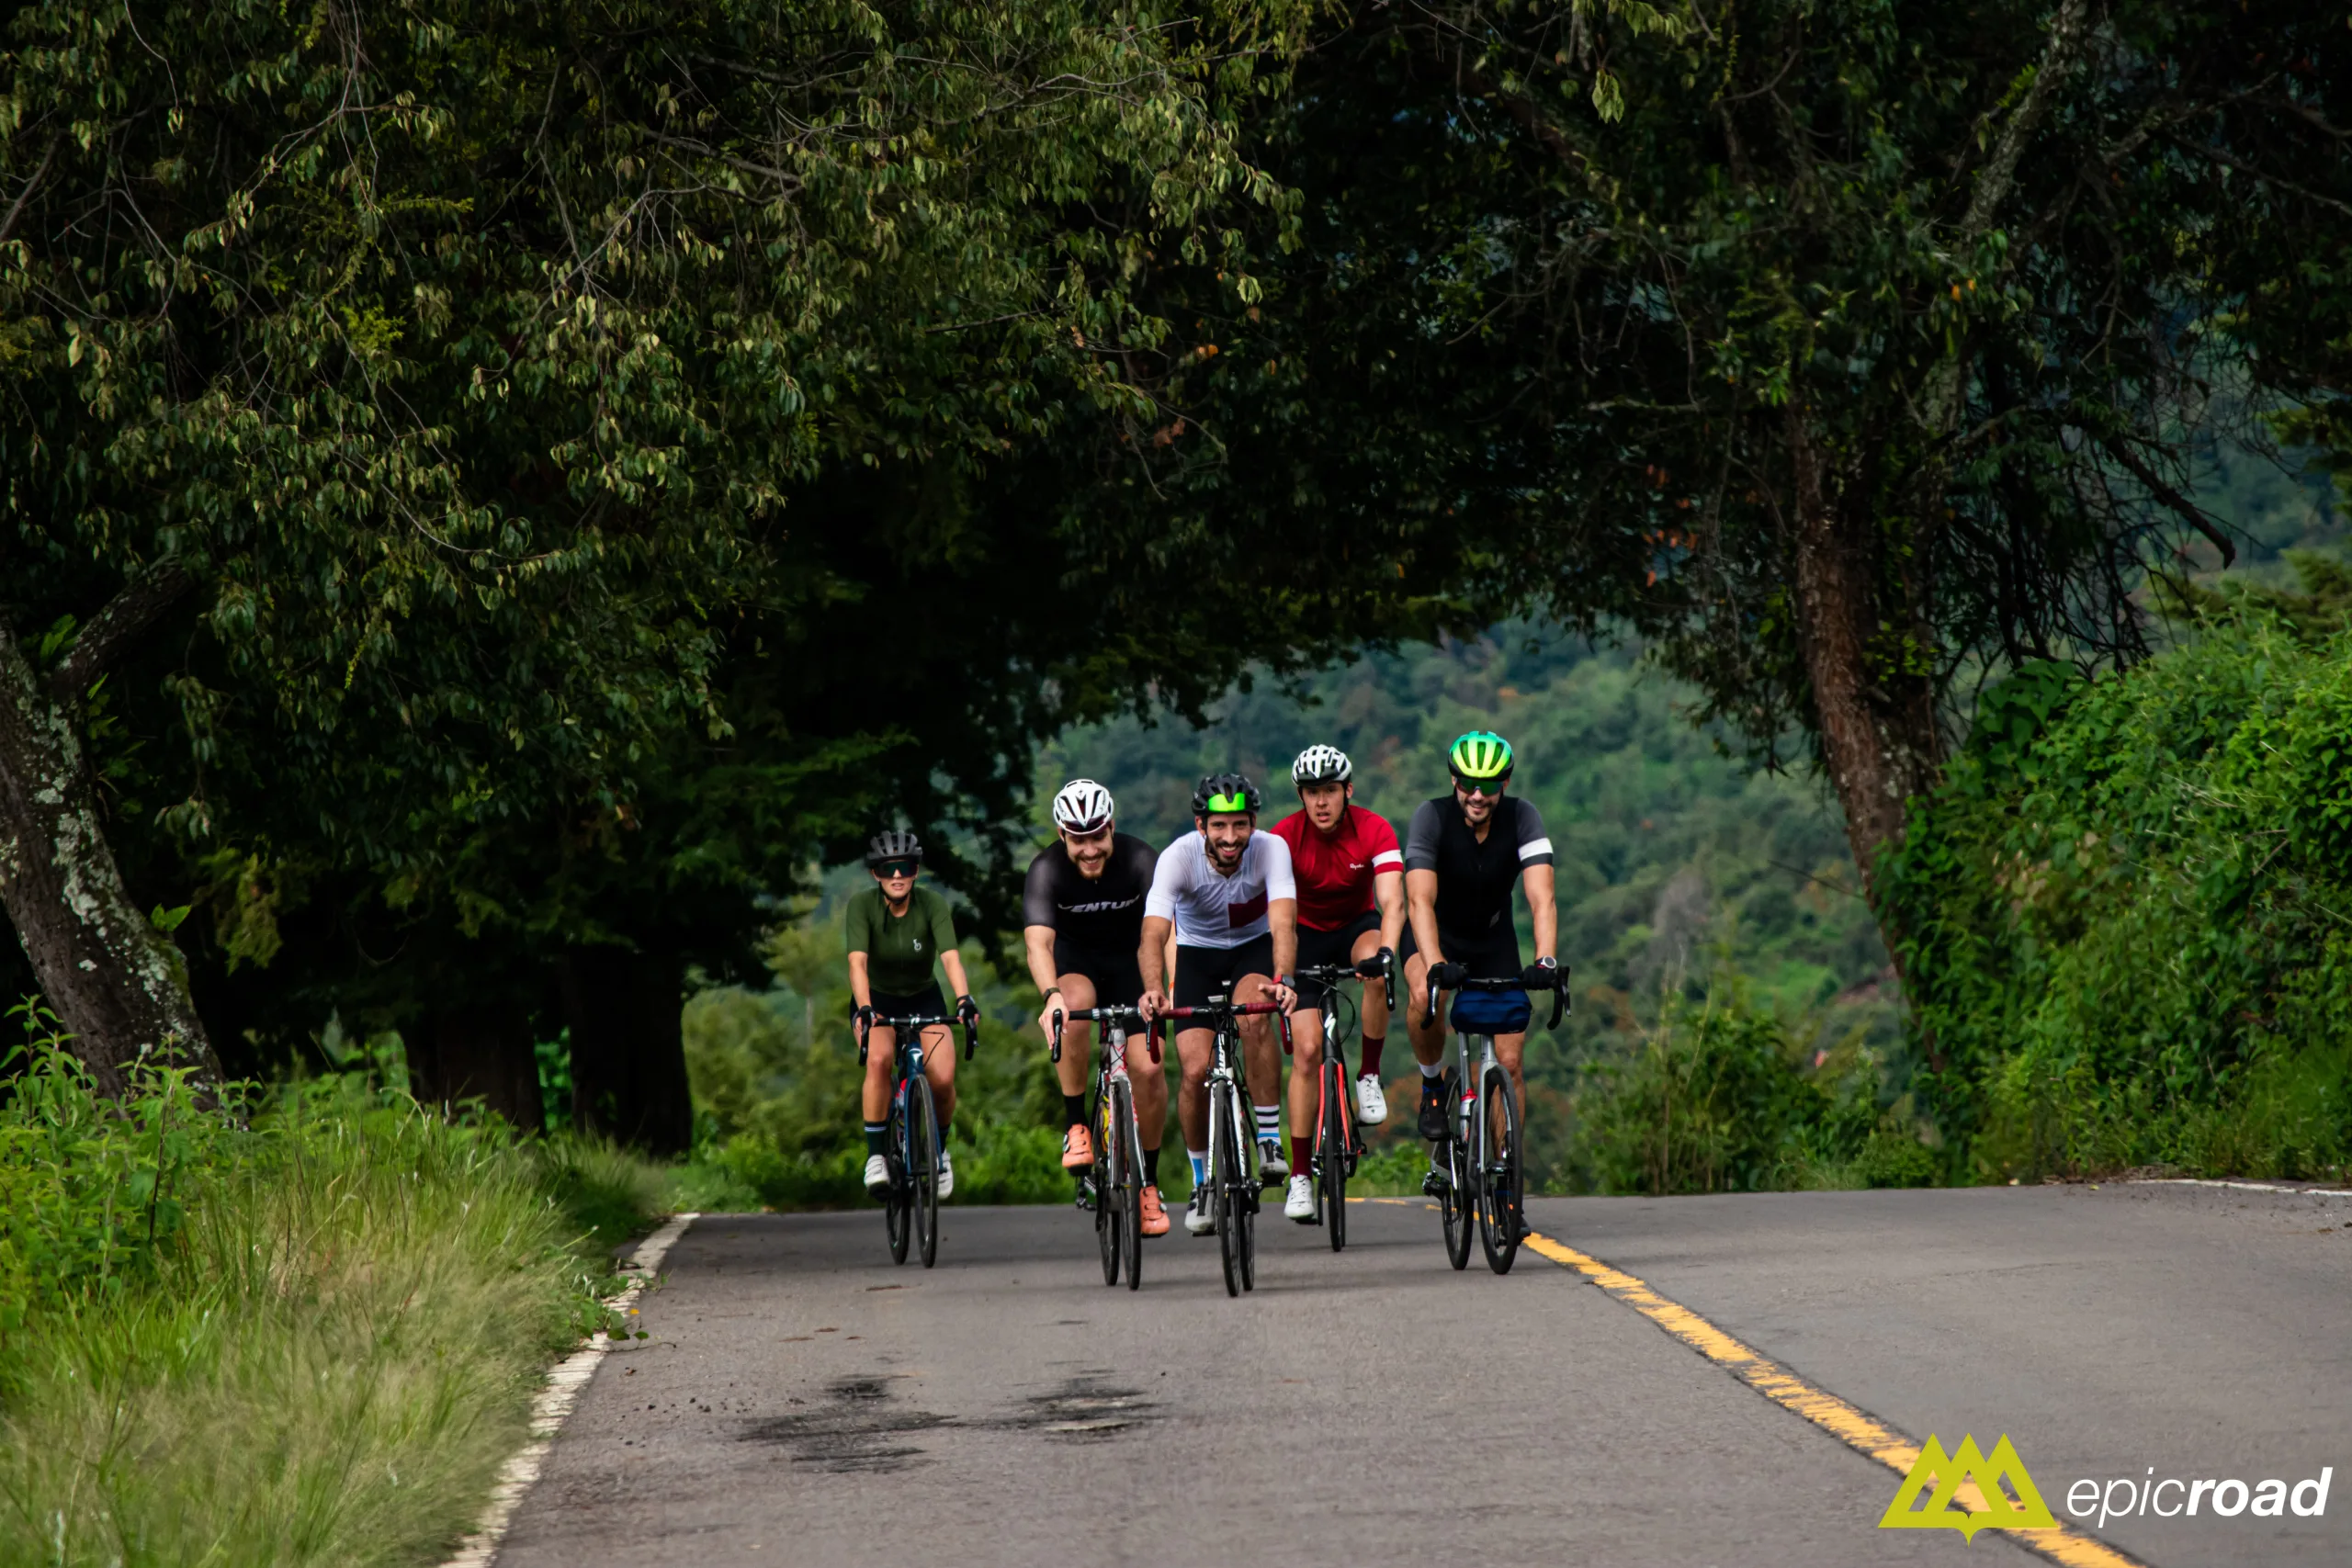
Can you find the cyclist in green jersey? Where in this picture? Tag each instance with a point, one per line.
(897, 931)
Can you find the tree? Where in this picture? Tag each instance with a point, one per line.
(403, 405)
(1849, 353)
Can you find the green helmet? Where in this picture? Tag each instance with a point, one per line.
(1481, 754)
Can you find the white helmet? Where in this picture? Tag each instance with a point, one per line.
(1322, 765)
(1083, 807)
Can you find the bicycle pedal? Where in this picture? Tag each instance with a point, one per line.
(1434, 1185)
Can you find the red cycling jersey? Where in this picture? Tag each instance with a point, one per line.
(1335, 871)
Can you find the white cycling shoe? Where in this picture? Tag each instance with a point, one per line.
(878, 1175)
(1269, 1159)
(946, 1175)
(1198, 1220)
(1371, 1105)
(1300, 1205)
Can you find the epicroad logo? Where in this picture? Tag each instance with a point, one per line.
(1986, 1502)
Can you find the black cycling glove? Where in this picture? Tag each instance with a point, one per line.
(1372, 968)
(967, 1011)
(1448, 976)
(1541, 976)
(864, 1019)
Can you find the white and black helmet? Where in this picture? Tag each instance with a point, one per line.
(1322, 765)
(1083, 807)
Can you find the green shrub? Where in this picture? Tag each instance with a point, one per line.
(2125, 913)
(311, 1337)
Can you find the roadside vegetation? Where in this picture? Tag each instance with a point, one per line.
(306, 1333)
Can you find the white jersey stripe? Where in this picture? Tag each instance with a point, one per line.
(1534, 847)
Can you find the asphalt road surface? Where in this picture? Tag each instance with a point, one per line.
(802, 1401)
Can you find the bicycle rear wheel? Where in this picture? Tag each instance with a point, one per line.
(1106, 1202)
(1501, 1193)
(922, 1168)
(1458, 1205)
(1331, 1157)
(1129, 1195)
(1224, 1184)
(898, 1218)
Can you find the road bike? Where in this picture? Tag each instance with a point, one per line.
(1338, 1142)
(911, 1146)
(1477, 1173)
(1118, 1178)
(1235, 1178)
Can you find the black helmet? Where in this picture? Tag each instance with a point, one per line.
(1218, 791)
(894, 844)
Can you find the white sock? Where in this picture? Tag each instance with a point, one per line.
(1200, 1159)
(1269, 1123)
(1431, 1069)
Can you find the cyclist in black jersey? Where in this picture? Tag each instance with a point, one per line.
(1082, 924)
(1463, 855)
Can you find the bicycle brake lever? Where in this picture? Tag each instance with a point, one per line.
(1287, 1041)
(971, 1039)
(1058, 1037)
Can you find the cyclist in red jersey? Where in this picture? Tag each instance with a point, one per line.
(1350, 877)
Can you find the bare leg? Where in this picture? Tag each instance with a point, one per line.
(939, 1066)
(881, 1058)
(1078, 1039)
(1193, 1048)
(1306, 1069)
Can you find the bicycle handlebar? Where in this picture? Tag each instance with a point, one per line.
(1112, 1014)
(1331, 974)
(1559, 987)
(1216, 1010)
(917, 1022)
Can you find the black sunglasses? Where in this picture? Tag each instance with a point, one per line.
(898, 868)
(1491, 788)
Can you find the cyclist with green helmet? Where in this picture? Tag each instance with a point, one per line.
(1464, 854)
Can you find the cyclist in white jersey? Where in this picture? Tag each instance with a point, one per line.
(1224, 891)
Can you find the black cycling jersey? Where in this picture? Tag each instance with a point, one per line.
(1103, 916)
(1474, 879)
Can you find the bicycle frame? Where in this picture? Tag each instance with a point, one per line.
(907, 1064)
(1224, 1017)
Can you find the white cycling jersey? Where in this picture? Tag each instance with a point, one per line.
(1211, 911)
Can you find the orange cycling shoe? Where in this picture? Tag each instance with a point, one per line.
(1078, 1147)
(1155, 1217)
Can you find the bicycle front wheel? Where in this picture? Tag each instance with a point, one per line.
(1500, 1192)
(1128, 1191)
(922, 1168)
(1106, 1203)
(1331, 1157)
(898, 1218)
(1224, 1184)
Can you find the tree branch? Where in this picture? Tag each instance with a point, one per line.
(16, 208)
(126, 618)
(2172, 499)
(2000, 172)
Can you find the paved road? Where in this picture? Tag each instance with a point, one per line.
(804, 1402)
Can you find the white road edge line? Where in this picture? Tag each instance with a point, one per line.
(2243, 1186)
(555, 1402)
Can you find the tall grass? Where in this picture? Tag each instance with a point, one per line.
(309, 1338)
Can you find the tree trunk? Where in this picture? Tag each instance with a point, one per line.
(628, 1051)
(119, 985)
(1877, 723)
(483, 1054)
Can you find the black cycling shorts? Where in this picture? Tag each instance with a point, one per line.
(1116, 980)
(1318, 948)
(911, 1004)
(1495, 957)
(1204, 972)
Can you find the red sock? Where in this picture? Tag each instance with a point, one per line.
(1372, 1046)
(1302, 1151)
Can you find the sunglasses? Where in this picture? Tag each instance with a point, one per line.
(1219, 804)
(898, 868)
(1491, 788)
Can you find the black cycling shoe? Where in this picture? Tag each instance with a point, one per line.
(1434, 1109)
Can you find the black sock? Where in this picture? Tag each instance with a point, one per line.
(1151, 1167)
(874, 1131)
(1073, 1110)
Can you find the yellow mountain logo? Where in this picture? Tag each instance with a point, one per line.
(1963, 1491)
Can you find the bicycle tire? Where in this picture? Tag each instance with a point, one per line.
(1106, 1204)
(922, 1168)
(898, 1220)
(1500, 1189)
(1333, 1156)
(1130, 1187)
(1225, 1185)
(1457, 1206)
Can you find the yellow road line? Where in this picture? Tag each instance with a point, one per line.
(1858, 1431)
